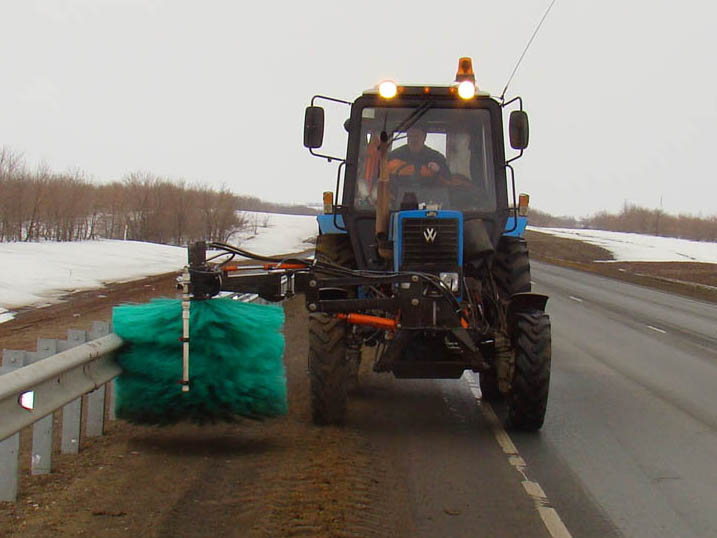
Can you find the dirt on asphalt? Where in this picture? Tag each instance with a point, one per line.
(283, 477)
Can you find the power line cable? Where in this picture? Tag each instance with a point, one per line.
(502, 95)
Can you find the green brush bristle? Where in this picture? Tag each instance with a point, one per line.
(235, 362)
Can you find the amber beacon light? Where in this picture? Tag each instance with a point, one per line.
(465, 78)
(523, 202)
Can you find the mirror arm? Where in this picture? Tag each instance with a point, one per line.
(333, 99)
(336, 201)
(514, 158)
(514, 209)
(513, 100)
(327, 157)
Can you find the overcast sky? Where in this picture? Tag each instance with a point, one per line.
(622, 96)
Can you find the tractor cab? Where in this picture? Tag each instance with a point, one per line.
(448, 164)
(429, 150)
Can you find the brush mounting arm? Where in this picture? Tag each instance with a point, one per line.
(204, 282)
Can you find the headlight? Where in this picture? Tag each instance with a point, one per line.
(450, 280)
(466, 90)
(387, 89)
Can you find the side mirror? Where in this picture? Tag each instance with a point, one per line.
(313, 127)
(518, 129)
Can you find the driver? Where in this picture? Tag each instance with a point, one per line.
(415, 160)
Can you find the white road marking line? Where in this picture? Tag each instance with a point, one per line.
(504, 440)
(535, 491)
(656, 329)
(578, 299)
(554, 525)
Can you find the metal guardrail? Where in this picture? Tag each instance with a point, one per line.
(56, 381)
(57, 375)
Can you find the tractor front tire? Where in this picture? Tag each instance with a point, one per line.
(337, 249)
(328, 369)
(528, 398)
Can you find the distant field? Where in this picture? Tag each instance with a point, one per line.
(697, 280)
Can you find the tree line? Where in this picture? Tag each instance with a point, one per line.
(252, 203)
(636, 219)
(42, 205)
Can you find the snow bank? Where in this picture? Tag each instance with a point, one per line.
(33, 273)
(39, 273)
(629, 247)
(5, 315)
(271, 234)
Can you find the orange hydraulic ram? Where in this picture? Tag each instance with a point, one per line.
(372, 321)
(269, 266)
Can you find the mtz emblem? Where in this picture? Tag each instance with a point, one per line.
(430, 234)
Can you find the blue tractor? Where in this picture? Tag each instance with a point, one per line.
(424, 248)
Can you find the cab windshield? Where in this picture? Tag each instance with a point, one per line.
(440, 159)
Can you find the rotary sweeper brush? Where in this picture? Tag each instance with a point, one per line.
(236, 363)
(236, 359)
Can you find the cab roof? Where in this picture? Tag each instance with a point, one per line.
(439, 90)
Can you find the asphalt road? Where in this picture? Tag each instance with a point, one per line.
(629, 445)
(454, 480)
(633, 407)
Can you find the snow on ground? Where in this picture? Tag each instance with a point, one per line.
(272, 234)
(39, 273)
(629, 247)
(32, 273)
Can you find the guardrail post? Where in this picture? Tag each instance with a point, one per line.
(42, 429)
(96, 398)
(10, 447)
(72, 412)
(113, 394)
(111, 389)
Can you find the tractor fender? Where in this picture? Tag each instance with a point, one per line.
(327, 224)
(515, 227)
(526, 301)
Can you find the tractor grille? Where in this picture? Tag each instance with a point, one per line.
(429, 242)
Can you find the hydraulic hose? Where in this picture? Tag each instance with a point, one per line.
(338, 270)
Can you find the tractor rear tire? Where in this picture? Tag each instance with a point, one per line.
(511, 266)
(528, 398)
(336, 249)
(328, 369)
